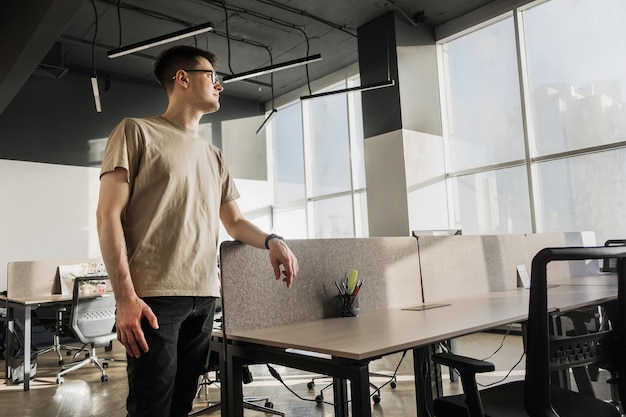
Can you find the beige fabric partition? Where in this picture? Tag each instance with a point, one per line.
(560, 271)
(35, 278)
(253, 299)
(456, 266)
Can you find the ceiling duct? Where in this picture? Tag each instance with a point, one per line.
(52, 64)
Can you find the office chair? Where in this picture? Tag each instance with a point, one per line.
(393, 383)
(537, 395)
(92, 320)
(57, 323)
(212, 365)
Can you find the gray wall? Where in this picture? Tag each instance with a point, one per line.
(53, 120)
(49, 175)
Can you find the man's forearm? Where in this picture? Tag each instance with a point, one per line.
(113, 249)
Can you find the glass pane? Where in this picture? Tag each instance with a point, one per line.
(584, 193)
(494, 202)
(577, 77)
(288, 154)
(329, 145)
(333, 217)
(291, 224)
(484, 111)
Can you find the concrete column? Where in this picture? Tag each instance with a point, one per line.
(404, 162)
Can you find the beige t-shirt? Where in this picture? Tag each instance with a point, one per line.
(178, 182)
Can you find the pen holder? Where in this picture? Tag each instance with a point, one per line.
(348, 305)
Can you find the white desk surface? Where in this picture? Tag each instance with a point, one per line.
(383, 332)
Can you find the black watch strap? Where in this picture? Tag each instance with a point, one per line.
(270, 237)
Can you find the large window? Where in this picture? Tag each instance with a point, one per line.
(576, 77)
(484, 98)
(288, 155)
(566, 136)
(319, 172)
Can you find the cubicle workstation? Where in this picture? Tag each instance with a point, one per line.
(253, 300)
(32, 285)
(301, 328)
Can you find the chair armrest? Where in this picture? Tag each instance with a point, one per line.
(463, 364)
(468, 368)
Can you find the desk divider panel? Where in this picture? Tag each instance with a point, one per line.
(35, 278)
(563, 271)
(253, 299)
(456, 266)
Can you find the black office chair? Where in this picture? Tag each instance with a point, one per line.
(56, 320)
(392, 381)
(537, 395)
(212, 367)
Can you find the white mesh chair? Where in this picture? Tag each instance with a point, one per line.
(92, 320)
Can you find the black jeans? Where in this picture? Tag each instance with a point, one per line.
(163, 381)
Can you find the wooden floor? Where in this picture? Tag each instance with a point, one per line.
(83, 394)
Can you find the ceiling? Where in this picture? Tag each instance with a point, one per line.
(247, 34)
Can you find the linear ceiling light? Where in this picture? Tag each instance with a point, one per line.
(366, 87)
(96, 92)
(272, 68)
(160, 40)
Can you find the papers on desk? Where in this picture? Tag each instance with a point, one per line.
(67, 273)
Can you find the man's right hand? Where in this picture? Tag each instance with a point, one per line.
(128, 325)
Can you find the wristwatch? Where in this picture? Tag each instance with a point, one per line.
(270, 237)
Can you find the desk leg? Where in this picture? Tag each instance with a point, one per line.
(360, 389)
(224, 388)
(27, 343)
(10, 338)
(234, 383)
(340, 397)
(427, 380)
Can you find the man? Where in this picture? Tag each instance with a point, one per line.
(163, 191)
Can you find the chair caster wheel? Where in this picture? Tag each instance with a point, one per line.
(376, 399)
(105, 365)
(319, 399)
(104, 378)
(393, 384)
(59, 380)
(61, 362)
(310, 385)
(269, 404)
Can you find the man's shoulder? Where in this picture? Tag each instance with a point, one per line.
(139, 121)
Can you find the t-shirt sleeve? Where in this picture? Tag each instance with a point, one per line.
(123, 149)
(229, 189)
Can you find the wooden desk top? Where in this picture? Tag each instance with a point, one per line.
(382, 332)
(38, 299)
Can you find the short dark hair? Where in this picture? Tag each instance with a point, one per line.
(178, 57)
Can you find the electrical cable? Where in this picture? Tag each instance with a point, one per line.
(505, 376)
(308, 80)
(93, 42)
(119, 22)
(277, 376)
(230, 68)
(508, 330)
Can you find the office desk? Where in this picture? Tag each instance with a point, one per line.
(27, 305)
(352, 342)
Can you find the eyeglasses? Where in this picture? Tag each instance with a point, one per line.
(214, 77)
